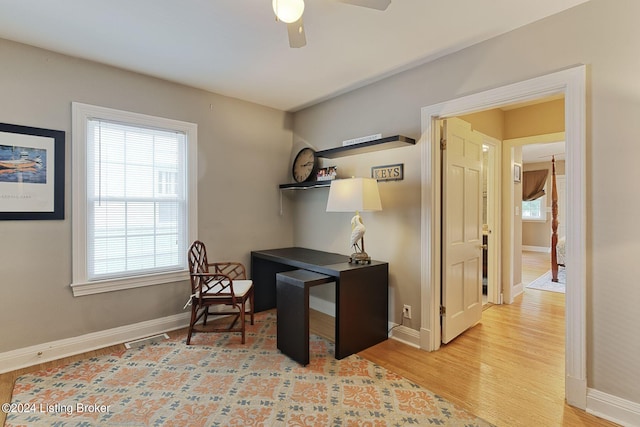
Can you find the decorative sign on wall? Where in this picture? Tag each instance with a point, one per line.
(361, 139)
(388, 172)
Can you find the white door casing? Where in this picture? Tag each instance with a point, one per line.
(571, 84)
(561, 186)
(461, 228)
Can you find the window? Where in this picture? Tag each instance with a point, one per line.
(134, 204)
(534, 210)
(534, 183)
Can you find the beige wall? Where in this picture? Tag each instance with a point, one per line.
(521, 121)
(599, 33)
(243, 152)
(489, 122)
(538, 119)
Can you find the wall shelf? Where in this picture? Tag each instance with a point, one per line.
(305, 185)
(350, 150)
(367, 147)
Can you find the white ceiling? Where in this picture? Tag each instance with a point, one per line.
(538, 153)
(236, 48)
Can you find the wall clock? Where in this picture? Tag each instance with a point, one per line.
(305, 165)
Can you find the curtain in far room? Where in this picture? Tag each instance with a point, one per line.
(533, 183)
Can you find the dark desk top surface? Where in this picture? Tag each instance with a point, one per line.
(308, 258)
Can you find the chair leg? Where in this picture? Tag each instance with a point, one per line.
(251, 302)
(194, 312)
(242, 309)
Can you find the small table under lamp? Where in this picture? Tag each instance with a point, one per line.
(355, 195)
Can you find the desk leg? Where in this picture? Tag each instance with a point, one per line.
(293, 321)
(362, 309)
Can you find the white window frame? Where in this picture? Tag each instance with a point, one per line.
(81, 113)
(543, 211)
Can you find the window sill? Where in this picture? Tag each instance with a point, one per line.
(534, 220)
(101, 286)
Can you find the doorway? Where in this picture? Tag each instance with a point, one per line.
(537, 214)
(571, 84)
(531, 240)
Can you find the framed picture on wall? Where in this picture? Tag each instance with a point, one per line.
(31, 173)
(517, 172)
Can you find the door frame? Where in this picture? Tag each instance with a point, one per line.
(494, 219)
(571, 83)
(513, 288)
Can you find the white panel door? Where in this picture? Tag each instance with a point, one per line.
(461, 228)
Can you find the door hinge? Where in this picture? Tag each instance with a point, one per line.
(443, 135)
(443, 310)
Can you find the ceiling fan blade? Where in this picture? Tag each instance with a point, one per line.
(371, 4)
(297, 37)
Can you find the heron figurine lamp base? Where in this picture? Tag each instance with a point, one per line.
(359, 258)
(355, 194)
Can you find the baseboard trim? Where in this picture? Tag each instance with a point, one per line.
(323, 306)
(406, 335)
(613, 408)
(536, 249)
(576, 392)
(54, 350)
(516, 290)
(426, 340)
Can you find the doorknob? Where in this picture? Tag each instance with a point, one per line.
(485, 247)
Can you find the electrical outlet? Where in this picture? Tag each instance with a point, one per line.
(406, 311)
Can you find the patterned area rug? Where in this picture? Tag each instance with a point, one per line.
(219, 382)
(544, 282)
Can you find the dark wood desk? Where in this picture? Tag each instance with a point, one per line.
(362, 294)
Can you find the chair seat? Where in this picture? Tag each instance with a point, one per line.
(240, 289)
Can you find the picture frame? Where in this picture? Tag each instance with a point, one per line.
(517, 172)
(32, 163)
(327, 174)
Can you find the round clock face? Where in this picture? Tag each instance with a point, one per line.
(304, 165)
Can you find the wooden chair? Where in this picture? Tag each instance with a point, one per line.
(217, 284)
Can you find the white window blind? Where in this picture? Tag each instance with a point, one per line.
(135, 199)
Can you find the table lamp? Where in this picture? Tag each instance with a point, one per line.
(355, 195)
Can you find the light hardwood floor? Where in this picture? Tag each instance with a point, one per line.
(509, 369)
(534, 265)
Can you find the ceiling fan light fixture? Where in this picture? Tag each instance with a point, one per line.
(288, 10)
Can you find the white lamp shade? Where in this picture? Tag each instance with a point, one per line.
(288, 10)
(354, 194)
